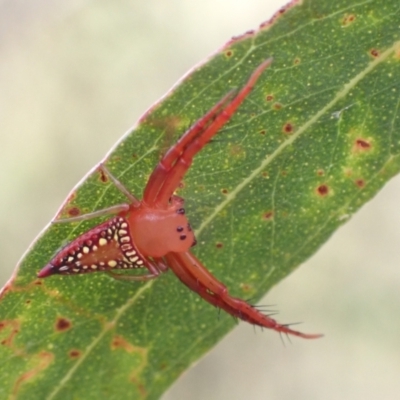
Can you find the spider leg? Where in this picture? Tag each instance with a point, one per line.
(159, 173)
(132, 199)
(167, 175)
(109, 210)
(192, 283)
(161, 265)
(99, 213)
(193, 274)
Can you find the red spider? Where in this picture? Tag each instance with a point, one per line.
(154, 233)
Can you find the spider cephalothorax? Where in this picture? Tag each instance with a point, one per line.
(166, 230)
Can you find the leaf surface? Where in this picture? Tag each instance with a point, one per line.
(315, 140)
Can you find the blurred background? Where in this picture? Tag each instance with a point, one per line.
(74, 76)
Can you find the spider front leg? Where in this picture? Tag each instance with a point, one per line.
(194, 275)
(116, 209)
(176, 162)
(159, 173)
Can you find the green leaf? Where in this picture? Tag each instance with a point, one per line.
(315, 140)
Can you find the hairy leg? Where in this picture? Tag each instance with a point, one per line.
(192, 273)
(192, 283)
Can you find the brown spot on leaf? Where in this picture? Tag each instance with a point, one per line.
(374, 53)
(73, 211)
(74, 353)
(219, 245)
(120, 342)
(269, 97)
(268, 215)
(322, 190)
(265, 174)
(103, 176)
(288, 128)
(348, 19)
(320, 172)
(67, 208)
(224, 191)
(297, 61)
(62, 324)
(360, 183)
(277, 106)
(362, 144)
(228, 53)
(262, 132)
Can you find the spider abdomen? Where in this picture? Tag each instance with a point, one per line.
(105, 247)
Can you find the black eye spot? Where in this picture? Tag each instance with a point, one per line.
(189, 228)
(179, 228)
(182, 237)
(181, 211)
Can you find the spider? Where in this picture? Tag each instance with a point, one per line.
(154, 233)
